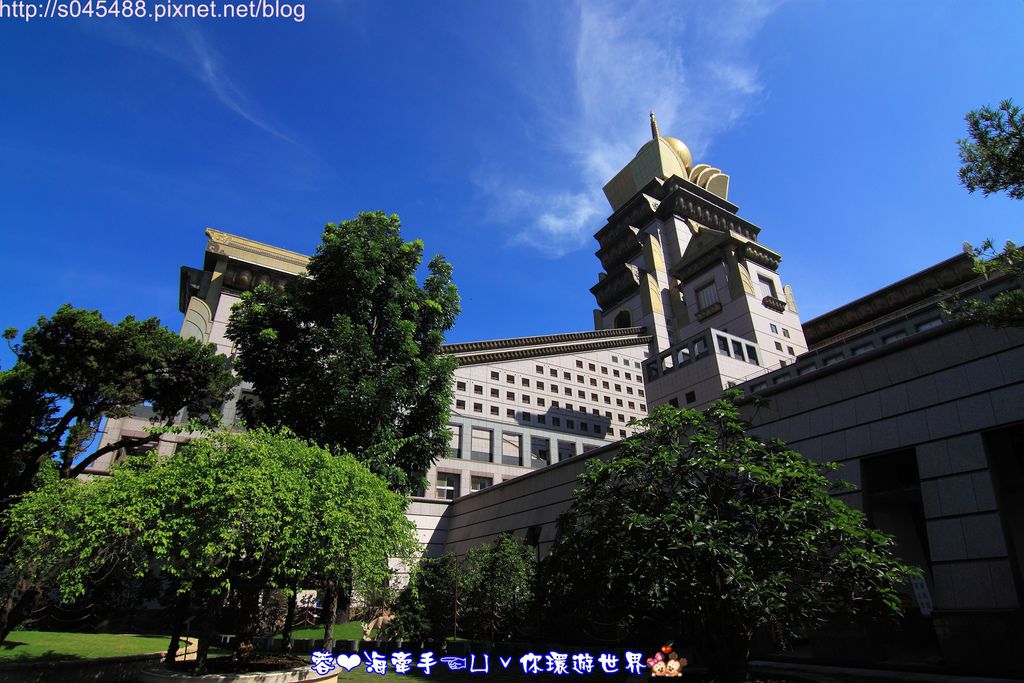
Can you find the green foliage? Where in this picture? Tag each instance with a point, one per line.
(1007, 307)
(349, 355)
(695, 530)
(498, 594)
(428, 607)
(75, 368)
(488, 596)
(230, 512)
(993, 157)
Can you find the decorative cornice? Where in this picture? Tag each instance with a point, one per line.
(558, 350)
(618, 284)
(224, 243)
(543, 340)
(774, 304)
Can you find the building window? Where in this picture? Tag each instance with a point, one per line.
(482, 444)
(510, 395)
(461, 386)
(527, 417)
(585, 427)
(480, 483)
(509, 412)
(579, 378)
(890, 338)
(553, 372)
(707, 296)
(455, 441)
(526, 398)
(737, 350)
(447, 486)
(774, 328)
(566, 449)
(542, 419)
(615, 373)
(567, 391)
(629, 390)
(554, 388)
(632, 406)
(494, 410)
(591, 367)
(767, 286)
(540, 450)
(511, 379)
(594, 398)
(478, 389)
(628, 376)
(540, 401)
(618, 402)
(581, 394)
(556, 422)
(928, 324)
(554, 404)
(785, 333)
(460, 404)
(526, 382)
(593, 382)
(495, 393)
(608, 399)
(605, 385)
(790, 350)
(568, 406)
(615, 359)
(863, 348)
(691, 397)
(597, 429)
(570, 424)
(494, 375)
(832, 359)
(604, 370)
(622, 432)
(778, 346)
(540, 385)
(579, 364)
(567, 376)
(622, 418)
(618, 387)
(540, 369)
(511, 449)
(752, 354)
(723, 345)
(639, 392)
(643, 407)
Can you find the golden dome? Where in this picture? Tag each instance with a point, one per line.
(681, 150)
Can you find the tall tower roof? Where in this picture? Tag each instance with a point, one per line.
(661, 157)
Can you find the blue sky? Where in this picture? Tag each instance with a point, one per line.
(490, 128)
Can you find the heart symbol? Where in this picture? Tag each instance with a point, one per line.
(349, 662)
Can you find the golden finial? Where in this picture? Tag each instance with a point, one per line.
(654, 127)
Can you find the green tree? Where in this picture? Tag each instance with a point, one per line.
(1006, 309)
(429, 606)
(498, 596)
(993, 158)
(697, 531)
(76, 368)
(349, 354)
(228, 517)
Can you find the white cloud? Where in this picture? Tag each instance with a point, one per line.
(689, 62)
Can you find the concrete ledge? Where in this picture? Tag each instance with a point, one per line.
(107, 670)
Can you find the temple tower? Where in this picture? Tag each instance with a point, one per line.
(680, 261)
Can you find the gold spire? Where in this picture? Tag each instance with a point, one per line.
(654, 127)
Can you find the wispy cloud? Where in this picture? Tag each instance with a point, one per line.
(689, 62)
(186, 45)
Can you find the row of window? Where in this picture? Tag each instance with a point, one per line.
(591, 367)
(478, 389)
(511, 448)
(775, 330)
(542, 401)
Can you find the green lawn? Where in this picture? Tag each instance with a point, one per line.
(26, 645)
(352, 630)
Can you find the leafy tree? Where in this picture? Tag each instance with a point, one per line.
(499, 580)
(1007, 307)
(697, 531)
(76, 368)
(428, 608)
(229, 516)
(349, 354)
(993, 157)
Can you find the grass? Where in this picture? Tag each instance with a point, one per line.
(351, 630)
(49, 645)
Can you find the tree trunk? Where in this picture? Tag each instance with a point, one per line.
(289, 622)
(18, 603)
(330, 615)
(248, 615)
(205, 638)
(180, 612)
